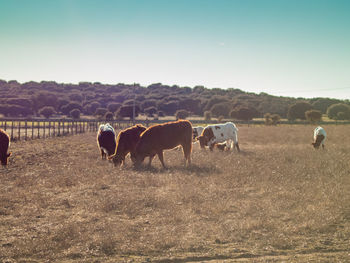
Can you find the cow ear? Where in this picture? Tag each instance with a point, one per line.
(9, 154)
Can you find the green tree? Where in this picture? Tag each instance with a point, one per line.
(47, 111)
(181, 114)
(244, 113)
(333, 110)
(75, 113)
(298, 109)
(207, 115)
(313, 115)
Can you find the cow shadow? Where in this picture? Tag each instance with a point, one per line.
(193, 169)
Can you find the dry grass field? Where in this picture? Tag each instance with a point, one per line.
(279, 200)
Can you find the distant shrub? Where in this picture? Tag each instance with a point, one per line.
(100, 112)
(75, 113)
(113, 107)
(297, 110)
(108, 116)
(313, 115)
(207, 115)
(47, 111)
(181, 114)
(334, 109)
(150, 111)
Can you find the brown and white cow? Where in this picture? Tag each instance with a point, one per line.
(106, 140)
(162, 137)
(319, 137)
(126, 143)
(4, 145)
(218, 133)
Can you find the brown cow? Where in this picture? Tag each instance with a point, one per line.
(4, 145)
(163, 137)
(126, 143)
(106, 140)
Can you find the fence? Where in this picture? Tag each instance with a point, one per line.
(36, 129)
(20, 129)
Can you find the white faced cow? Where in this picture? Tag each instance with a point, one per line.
(218, 133)
(106, 140)
(319, 137)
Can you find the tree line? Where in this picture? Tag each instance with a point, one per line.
(106, 101)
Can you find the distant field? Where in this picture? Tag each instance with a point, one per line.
(279, 200)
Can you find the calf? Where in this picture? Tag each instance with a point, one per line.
(163, 137)
(126, 143)
(319, 137)
(197, 131)
(106, 140)
(218, 133)
(4, 145)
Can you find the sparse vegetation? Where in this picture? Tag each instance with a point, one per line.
(278, 200)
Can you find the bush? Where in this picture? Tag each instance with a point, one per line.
(127, 111)
(113, 107)
(100, 112)
(75, 113)
(313, 115)
(47, 111)
(108, 116)
(220, 109)
(334, 109)
(207, 115)
(181, 114)
(244, 113)
(297, 110)
(150, 111)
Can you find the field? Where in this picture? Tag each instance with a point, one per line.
(279, 200)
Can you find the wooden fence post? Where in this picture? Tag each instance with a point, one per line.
(19, 130)
(32, 130)
(12, 130)
(25, 128)
(38, 130)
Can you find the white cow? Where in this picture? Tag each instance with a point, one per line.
(106, 140)
(218, 133)
(319, 137)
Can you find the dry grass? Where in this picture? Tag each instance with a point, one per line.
(278, 200)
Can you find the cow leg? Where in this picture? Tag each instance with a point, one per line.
(150, 160)
(187, 153)
(161, 158)
(237, 146)
(103, 155)
(323, 146)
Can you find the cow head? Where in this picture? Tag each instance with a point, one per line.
(117, 160)
(318, 141)
(194, 134)
(4, 158)
(136, 158)
(205, 137)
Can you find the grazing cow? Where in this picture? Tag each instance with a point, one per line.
(196, 132)
(319, 137)
(163, 137)
(126, 143)
(106, 140)
(4, 145)
(218, 133)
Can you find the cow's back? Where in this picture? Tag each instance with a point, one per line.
(106, 141)
(165, 136)
(127, 139)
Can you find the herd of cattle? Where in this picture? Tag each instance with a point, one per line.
(141, 142)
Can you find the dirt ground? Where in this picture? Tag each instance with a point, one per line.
(279, 200)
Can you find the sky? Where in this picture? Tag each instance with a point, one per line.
(294, 48)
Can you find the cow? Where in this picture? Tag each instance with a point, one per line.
(106, 140)
(196, 132)
(218, 133)
(4, 145)
(319, 137)
(163, 137)
(126, 143)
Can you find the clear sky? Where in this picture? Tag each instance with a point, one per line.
(297, 48)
